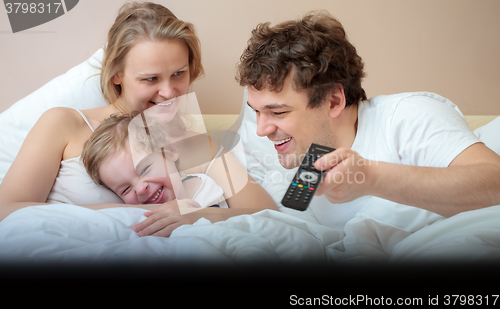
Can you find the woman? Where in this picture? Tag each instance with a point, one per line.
(151, 57)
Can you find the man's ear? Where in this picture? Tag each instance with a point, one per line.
(336, 99)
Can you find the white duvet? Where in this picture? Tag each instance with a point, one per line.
(76, 234)
(381, 232)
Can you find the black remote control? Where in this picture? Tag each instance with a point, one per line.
(306, 180)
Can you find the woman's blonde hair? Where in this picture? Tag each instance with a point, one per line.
(144, 21)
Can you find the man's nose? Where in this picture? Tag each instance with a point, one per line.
(264, 126)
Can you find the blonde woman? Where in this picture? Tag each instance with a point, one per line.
(150, 57)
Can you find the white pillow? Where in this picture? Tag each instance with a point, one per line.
(78, 88)
(489, 134)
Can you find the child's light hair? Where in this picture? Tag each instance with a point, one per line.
(120, 133)
(144, 21)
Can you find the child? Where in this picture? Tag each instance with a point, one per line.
(132, 155)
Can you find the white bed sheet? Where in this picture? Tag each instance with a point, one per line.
(71, 233)
(382, 232)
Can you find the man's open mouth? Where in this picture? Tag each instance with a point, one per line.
(281, 142)
(282, 145)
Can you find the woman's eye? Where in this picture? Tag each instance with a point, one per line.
(152, 79)
(279, 113)
(178, 73)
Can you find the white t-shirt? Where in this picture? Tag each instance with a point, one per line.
(209, 193)
(420, 129)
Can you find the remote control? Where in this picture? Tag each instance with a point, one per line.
(306, 180)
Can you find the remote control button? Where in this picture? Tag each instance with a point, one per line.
(309, 177)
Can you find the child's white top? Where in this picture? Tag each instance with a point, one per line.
(209, 193)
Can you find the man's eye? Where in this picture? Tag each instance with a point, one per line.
(279, 113)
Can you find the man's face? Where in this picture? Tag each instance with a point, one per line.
(287, 121)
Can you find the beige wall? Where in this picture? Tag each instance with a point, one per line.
(451, 47)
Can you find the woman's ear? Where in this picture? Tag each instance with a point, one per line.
(116, 79)
(337, 100)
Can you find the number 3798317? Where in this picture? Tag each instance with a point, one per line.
(32, 8)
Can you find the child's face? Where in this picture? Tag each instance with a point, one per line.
(147, 183)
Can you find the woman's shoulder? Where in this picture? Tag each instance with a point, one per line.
(65, 114)
(65, 125)
(62, 117)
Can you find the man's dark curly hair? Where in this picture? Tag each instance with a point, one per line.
(315, 46)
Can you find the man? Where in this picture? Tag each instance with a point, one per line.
(304, 83)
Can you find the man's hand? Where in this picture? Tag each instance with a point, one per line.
(471, 181)
(349, 176)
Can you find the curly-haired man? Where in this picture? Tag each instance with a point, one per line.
(304, 83)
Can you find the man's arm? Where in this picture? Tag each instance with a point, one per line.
(470, 182)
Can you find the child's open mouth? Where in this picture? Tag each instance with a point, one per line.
(156, 197)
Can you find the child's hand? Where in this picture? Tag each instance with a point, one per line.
(166, 218)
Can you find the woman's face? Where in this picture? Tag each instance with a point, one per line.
(155, 72)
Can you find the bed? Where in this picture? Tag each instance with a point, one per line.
(382, 232)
